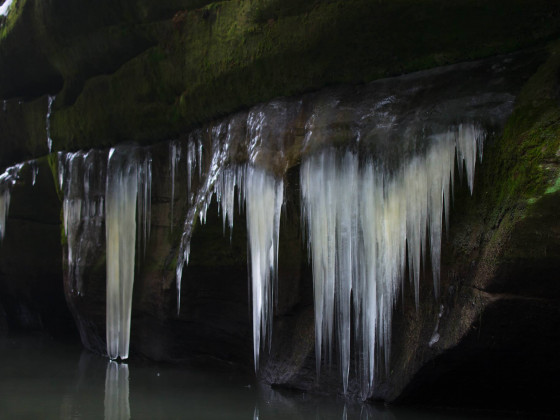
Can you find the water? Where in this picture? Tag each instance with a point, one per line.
(44, 379)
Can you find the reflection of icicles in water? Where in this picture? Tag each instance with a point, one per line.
(117, 406)
(48, 121)
(359, 218)
(7, 180)
(34, 171)
(82, 178)
(127, 194)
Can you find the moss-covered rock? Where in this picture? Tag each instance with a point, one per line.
(224, 56)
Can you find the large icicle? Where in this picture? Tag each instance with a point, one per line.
(127, 194)
(359, 217)
(264, 197)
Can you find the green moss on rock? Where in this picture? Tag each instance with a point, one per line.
(229, 55)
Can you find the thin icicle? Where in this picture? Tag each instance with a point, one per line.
(34, 171)
(264, 198)
(127, 195)
(6, 7)
(51, 100)
(174, 159)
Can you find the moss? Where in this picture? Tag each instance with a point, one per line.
(233, 54)
(553, 188)
(524, 164)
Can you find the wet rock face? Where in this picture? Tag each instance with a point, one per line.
(460, 326)
(30, 256)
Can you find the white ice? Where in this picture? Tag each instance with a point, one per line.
(359, 218)
(5, 8)
(127, 194)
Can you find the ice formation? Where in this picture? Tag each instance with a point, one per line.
(263, 199)
(48, 121)
(128, 194)
(361, 215)
(82, 179)
(117, 406)
(257, 188)
(195, 201)
(7, 180)
(174, 159)
(5, 7)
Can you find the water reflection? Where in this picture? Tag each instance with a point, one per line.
(117, 406)
(276, 405)
(45, 380)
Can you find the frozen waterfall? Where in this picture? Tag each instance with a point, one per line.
(361, 215)
(82, 179)
(107, 199)
(128, 194)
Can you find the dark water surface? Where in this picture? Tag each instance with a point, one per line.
(44, 379)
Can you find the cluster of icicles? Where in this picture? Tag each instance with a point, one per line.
(115, 189)
(360, 217)
(365, 222)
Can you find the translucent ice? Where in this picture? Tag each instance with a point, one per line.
(361, 215)
(128, 193)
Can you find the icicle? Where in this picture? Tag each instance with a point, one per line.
(7, 180)
(206, 189)
(264, 198)
(82, 180)
(6, 7)
(34, 171)
(360, 220)
(174, 158)
(117, 406)
(127, 194)
(48, 121)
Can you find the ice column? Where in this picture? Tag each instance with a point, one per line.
(359, 217)
(127, 194)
